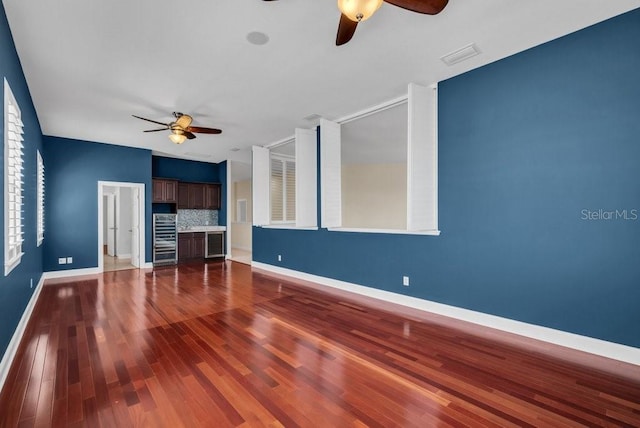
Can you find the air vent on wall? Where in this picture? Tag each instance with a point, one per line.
(461, 54)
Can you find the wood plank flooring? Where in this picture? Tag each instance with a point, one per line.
(220, 345)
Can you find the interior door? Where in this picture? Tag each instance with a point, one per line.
(135, 227)
(111, 225)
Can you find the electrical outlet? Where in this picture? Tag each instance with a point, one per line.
(279, 257)
(405, 281)
(69, 260)
(62, 260)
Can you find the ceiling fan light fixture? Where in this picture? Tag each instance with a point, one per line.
(358, 10)
(177, 138)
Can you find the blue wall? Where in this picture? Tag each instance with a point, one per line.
(530, 147)
(15, 289)
(194, 171)
(73, 170)
(185, 170)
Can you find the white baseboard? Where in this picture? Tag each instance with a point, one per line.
(70, 272)
(12, 349)
(123, 256)
(590, 345)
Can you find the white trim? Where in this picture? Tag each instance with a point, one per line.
(141, 219)
(260, 185)
(230, 193)
(330, 174)
(386, 231)
(12, 348)
(290, 226)
(55, 274)
(306, 179)
(123, 256)
(599, 347)
(373, 109)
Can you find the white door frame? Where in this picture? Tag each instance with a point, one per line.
(141, 222)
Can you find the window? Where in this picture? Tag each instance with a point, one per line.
(421, 169)
(40, 200)
(13, 181)
(283, 189)
(285, 182)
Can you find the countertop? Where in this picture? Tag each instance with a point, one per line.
(202, 229)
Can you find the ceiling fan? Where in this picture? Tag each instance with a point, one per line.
(355, 11)
(181, 128)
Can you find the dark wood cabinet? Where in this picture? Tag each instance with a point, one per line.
(197, 245)
(191, 245)
(198, 196)
(212, 196)
(183, 195)
(164, 191)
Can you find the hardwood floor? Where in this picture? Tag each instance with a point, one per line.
(217, 345)
(113, 263)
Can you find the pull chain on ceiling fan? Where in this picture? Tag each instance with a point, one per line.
(355, 11)
(181, 129)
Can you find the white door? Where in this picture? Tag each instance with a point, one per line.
(135, 227)
(111, 225)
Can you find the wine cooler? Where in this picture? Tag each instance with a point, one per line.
(165, 239)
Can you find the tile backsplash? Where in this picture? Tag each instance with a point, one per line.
(190, 218)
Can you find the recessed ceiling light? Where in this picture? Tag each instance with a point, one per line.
(257, 38)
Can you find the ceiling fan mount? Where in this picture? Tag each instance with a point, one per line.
(181, 129)
(356, 11)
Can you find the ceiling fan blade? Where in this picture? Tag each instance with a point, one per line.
(346, 29)
(189, 135)
(149, 120)
(202, 130)
(429, 7)
(184, 120)
(156, 130)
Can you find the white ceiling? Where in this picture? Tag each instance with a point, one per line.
(91, 64)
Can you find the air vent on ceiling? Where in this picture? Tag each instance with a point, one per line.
(461, 54)
(312, 117)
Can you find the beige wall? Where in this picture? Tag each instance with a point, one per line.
(374, 196)
(241, 232)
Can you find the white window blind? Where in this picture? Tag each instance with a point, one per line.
(13, 181)
(283, 189)
(40, 200)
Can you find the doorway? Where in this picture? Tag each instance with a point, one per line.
(239, 202)
(121, 226)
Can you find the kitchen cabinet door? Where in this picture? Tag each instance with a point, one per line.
(183, 195)
(184, 246)
(197, 245)
(212, 196)
(196, 196)
(164, 191)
